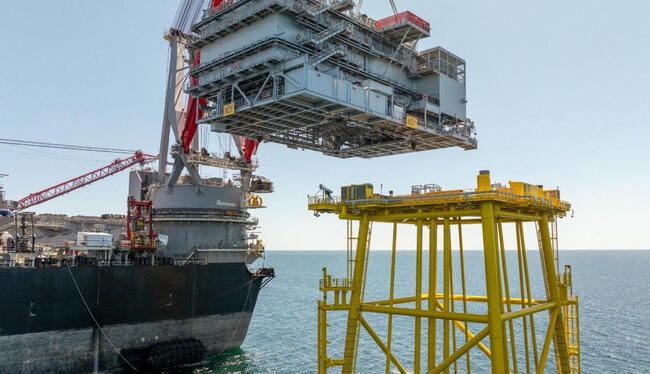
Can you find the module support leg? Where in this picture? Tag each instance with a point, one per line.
(418, 298)
(433, 290)
(554, 292)
(349, 352)
(446, 267)
(495, 324)
(391, 296)
(322, 330)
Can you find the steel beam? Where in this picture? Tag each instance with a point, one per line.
(444, 365)
(354, 313)
(447, 316)
(492, 286)
(381, 345)
(433, 290)
(554, 292)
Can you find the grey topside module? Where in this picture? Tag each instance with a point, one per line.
(315, 75)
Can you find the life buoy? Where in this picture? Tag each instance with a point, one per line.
(255, 200)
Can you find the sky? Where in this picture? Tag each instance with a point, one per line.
(559, 92)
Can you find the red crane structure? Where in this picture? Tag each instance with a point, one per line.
(84, 180)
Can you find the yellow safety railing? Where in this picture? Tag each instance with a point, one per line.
(447, 197)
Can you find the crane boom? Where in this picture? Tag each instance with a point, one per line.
(84, 180)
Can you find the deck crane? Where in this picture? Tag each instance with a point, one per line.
(84, 180)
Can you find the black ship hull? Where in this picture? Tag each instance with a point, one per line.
(46, 322)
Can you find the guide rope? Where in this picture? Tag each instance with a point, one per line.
(97, 323)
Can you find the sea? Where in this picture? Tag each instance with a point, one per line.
(612, 286)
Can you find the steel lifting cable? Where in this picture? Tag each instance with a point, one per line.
(52, 155)
(95, 320)
(29, 143)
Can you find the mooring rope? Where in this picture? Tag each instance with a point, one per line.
(95, 320)
(241, 316)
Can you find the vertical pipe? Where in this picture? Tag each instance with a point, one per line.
(452, 304)
(522, 293)
(446, 286)
(418, 298)
(577, 316)
(391, 296)
(433, 291)
(501, 298)
(349, 268)
(506, 284)
(319, 339)
(529, 300)
(16, 237)
(33, 233)
(463, 285)
(350, 349)
(554, 292)
(492, 286)
(322, 327)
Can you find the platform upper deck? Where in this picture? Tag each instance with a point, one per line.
(526, 200)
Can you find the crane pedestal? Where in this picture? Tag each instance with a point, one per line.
(515, 328)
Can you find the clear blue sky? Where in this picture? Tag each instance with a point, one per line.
(559, 90)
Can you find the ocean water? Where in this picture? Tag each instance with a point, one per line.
(612, 287)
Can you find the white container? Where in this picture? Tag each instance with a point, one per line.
(94, 240)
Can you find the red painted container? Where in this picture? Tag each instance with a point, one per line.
(402, 18)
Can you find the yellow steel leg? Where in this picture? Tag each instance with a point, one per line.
(501, 305)
(349, 352)
(463, 285)
(433, 290)
(391, 296)
(446, 285)
(322, 330)
(492, 286)
(418, 298)
(321, 366)
(524, 258)
(452, 304)
(506, 283)
(522, 292)
(554, 292)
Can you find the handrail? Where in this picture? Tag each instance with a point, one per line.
(442, 197)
